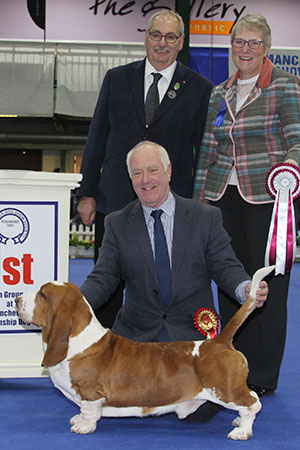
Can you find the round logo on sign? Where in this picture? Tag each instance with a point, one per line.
(14, 226)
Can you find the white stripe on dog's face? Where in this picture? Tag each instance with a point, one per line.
(26, 305)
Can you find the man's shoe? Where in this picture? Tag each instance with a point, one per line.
(204, 413)
(261, 391)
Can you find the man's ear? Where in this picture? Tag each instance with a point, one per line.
(181, 40)
(169, 171)
(145, 38)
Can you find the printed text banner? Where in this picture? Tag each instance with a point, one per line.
(28, 256)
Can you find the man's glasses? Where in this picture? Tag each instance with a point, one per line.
(252, 43)
(170, 38)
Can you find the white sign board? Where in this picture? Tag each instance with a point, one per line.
(34, 249)
(28, 255)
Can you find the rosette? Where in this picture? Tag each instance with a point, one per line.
(207, 322)
(283, 184)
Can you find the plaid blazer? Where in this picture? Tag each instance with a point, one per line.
(265, 132)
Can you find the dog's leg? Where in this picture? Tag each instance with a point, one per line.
(186, 408)
(86, 421)
(244, 422)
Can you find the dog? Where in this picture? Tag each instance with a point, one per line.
(111, 376)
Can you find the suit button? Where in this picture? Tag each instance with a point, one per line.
(155, 291)
(164, 316)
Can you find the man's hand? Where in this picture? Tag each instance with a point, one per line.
(87, 210)
(261, 293)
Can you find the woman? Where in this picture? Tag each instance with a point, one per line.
(253, 124)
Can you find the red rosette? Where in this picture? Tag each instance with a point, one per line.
(206, 321)
(283, 176)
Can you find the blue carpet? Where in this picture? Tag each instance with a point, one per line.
(79, 268)
(34, 415)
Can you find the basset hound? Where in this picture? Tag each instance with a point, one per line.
(110, 376)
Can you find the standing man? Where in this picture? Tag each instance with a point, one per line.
(198, 250)
(120, 122)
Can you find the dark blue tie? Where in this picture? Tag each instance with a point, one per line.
(162, 261)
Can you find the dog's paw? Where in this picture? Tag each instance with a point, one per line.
(238, 434)
(75, 419)
(81, 425)
(236, 422)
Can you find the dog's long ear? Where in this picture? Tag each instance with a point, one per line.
(58, 338)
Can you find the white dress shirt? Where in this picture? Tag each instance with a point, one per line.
(164, 82)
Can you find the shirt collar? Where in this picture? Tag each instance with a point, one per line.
(168, 207)
(249, 81)
(166, 73)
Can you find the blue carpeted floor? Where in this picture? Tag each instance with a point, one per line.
(34, 415)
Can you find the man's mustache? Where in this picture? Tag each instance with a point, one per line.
(159, 48)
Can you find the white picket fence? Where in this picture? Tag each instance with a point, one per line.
(84, 234)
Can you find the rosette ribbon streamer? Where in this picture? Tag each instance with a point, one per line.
(283, 184)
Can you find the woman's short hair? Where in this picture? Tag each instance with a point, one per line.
(254, 21)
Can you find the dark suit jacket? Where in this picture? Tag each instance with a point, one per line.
(119, 123)
(201, 252)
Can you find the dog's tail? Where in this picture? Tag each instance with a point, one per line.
(241, 315)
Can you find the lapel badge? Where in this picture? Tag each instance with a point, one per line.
(171, 94)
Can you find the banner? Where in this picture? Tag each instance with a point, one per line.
(125, 20)
(288, 60)
(28, 255)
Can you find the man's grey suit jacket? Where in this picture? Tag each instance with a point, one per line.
(201, 252)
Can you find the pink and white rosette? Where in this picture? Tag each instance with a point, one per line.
(283, 184)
